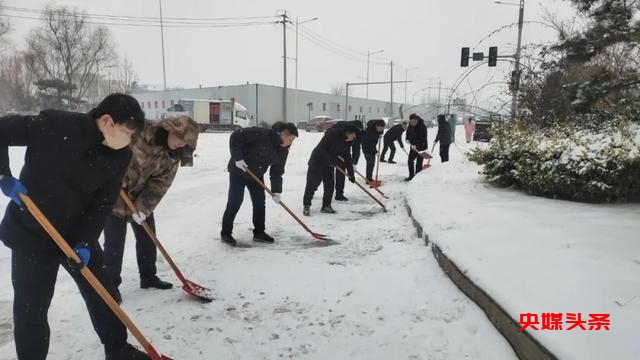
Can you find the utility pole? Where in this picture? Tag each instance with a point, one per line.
(295, 105)
(439, 91)
(295, 97)
(369, 53)
(391, 117)
(516, 75)
(284, 22)
(164, 71)
(406, 78)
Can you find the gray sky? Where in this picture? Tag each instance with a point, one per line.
(414, 33)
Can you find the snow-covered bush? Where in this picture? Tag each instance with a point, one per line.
(566, 162)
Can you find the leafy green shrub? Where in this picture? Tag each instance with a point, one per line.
(566, 162)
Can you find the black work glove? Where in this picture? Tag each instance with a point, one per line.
(352, 179)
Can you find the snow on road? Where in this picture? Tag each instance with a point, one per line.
(536, 255)
(378, 294)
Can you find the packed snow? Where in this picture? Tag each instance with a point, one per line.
(378, 294)
(536, 255)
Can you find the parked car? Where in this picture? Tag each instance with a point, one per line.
(482, 133)
(320, 123)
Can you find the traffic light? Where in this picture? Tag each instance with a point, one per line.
(464, 60)
(493, 56)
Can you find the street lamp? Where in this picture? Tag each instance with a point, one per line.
(295, 100)
(516, 70)
(406, 78)
(369, 53)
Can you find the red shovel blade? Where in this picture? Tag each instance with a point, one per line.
(153, 354)
(198, 291)
(426, 166)
(376, 184)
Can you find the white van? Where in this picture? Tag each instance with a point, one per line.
(212, 115)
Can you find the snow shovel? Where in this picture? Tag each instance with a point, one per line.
(362, 176)
(91, 279)
(314, 234)
(363, 189)
(190, 287)
(377, 183)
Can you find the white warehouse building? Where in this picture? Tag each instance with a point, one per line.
(264, 103)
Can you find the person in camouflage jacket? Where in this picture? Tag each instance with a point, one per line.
(157, 150)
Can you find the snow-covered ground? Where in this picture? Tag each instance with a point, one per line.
(379, 294)
(535, 255)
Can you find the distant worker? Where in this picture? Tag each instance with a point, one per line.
(392, 135)
(469, 129)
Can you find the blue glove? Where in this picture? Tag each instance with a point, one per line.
(12, 187)
(83, 251)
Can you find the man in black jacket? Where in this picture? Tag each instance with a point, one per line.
(256, 149)
(375, 128)
(351, 149)
(444, 137)
(73, 167)
(417, 137)
(323, 159)
(392, 135)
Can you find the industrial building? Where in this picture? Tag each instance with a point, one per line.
(264, 103)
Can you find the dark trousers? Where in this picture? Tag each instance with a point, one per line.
(417, 167)
(371, 163)
(315, 175)
(237, 183)
(115, 233)
(33, 276)
(444, 152)
(389, 146)
(340, 179)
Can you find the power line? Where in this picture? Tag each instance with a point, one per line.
(337, 46)
(129, 18)
(212, 25)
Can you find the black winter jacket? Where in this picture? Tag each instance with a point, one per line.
(370, 138)
(331, 146)
(69, 174)
(355, 144)
(417, 135)
(444, 133)
(261, 149)
(394, 134)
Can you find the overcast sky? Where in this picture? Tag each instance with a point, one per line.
(414, 33)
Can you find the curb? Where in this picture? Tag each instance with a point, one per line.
(523, 344)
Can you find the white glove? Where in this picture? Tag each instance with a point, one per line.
(277, 197)
(139, 217)
(413, 147)
(407, 141)
(241, 164)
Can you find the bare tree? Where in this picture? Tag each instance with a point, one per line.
(124, 77)
(16, 83)
(338, 89)
(4, 27)
(69, 49)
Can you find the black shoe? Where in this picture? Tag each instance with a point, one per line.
(392, 162)
(263, 238)
(341, 198)
(128, 352)
(409, 178)
(306, 211)
(327, 210)
(228, 239)
(383, 160)
(154, 282)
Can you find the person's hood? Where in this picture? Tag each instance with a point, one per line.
(184, 127)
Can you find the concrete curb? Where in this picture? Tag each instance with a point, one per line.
(524, 345)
